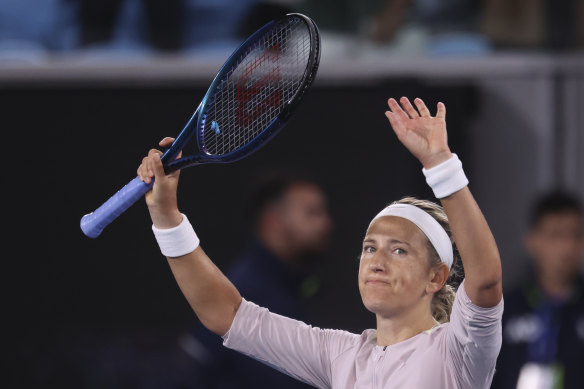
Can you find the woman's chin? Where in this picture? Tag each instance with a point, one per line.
(376, 304)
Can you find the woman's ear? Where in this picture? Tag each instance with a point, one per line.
(438, 277)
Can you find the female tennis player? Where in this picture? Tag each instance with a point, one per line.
(426, 336)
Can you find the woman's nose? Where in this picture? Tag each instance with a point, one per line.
(376, 265)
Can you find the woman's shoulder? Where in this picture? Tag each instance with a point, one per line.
(345, 343)
(347, 337)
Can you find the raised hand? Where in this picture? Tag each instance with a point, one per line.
(421, 133)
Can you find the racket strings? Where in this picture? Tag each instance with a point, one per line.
(255, 90)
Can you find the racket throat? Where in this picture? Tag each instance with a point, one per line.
(177, 164)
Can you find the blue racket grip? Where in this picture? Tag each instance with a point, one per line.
(93, 223)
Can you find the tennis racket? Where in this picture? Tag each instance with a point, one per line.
(250, 99)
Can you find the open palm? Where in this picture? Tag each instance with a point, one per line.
(422, 134)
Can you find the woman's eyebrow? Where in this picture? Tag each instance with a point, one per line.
(392, 241)
(399, 241)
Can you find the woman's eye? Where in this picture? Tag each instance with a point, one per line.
(369, 249)
(400, 251)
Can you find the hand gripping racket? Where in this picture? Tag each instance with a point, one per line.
(248, 102)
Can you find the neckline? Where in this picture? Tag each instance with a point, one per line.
(384, 348)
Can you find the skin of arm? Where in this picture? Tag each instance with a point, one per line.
(425, 137)
(208, 291)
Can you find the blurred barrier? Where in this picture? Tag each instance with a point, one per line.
(341, 65)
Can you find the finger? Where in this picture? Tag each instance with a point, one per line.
(389, 115)
(140, 169)
(157, 166)
(166, 141)
(441, 113)
(149, 171)
(396, 109)
(143, 171)
(152, 152)
(394, 121)
(424, 111)
(409, 108)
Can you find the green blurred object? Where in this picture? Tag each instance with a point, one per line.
(309, 286)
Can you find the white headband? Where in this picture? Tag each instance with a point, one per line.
(429, 226)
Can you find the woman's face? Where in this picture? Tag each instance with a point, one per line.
(394, 269)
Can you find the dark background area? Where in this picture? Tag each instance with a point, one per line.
(71, 148)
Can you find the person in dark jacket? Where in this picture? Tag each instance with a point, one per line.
(291, 227)
(543, 322)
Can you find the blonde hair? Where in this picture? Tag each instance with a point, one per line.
(443, 299)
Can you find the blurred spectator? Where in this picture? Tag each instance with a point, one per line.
(174, 25)
(32, 29)
(340, 16)
(450, 25)
(222, 24)
(543, 322)
(264, 11)
(131, 24)
(438, 16)
(213, 24)
(534, 24)
(457, 26)
(437, 27)
(291, 227)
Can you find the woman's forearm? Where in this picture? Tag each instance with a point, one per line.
(477, 248)
(208, 291)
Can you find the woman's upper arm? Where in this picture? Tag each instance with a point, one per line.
(290, 346)
(474, 339)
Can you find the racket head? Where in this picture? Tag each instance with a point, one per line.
(255, 91)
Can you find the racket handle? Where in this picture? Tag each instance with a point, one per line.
(93, 223)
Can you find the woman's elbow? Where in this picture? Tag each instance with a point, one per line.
(221, 322)
(485, 287)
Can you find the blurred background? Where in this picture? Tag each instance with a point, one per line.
(91, 85)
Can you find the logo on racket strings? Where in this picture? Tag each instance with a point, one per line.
(256, 98)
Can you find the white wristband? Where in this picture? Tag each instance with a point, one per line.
(446, 178)
(177, 241)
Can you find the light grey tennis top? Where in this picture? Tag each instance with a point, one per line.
(459, 354)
